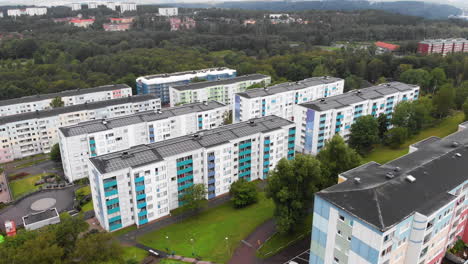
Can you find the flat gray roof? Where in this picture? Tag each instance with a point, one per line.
(74, 108)
(384, 202)
(356, 96)
(289, 86)
(144, 154)
(41, 216)
(165, 75)
(201, 85)
(147, 116)
(39, 97)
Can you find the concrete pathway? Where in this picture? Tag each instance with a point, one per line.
(5, 196)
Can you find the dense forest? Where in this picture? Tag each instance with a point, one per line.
(50, 57)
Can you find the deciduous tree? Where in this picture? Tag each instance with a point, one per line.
(243, 193)
(364, 134)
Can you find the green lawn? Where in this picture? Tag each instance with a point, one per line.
(135, 253)
(209, 230)
(171, 261)
(31, 163)
(383, 154)
(25, 185)
(124, 230)
(86, 190)
(277, 242)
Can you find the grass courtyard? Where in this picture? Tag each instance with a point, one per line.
(25, 185)
(383, 154)
(134, 253)
(209, 231)
(83, 191)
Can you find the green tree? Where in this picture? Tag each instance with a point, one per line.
(417, 76)
(461, 94)
(465, 109)
(57, 102)
(336, 157)
(243, 193)
(67, 232)
(438, 78)
(227, 117)
(194, 196)
(98, 248)
(413, 115)
(384, 123)
(291, 185)
(55, 153)
(364, 134)
(375, 69)
(352, 82)
(444, 100)
(396, 137)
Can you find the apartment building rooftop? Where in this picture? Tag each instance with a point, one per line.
(147, 116)
(440, 41)
(144, 154)
(201, 85)
(384, 195)
(74, 108)
(169, 75)
(40, 216)
(39, 97)
(289, 86)
(356, 96)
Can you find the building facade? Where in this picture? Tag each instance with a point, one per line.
(145, 182)
(84, 23)
(221, 90)
(69, 97)
(168, 11)
(159, 84)
(442, 46)
(98, 137)
(280, 99)
(36, 132)
(30, 11)
(319, 120)
(407, 211)
(127, 6)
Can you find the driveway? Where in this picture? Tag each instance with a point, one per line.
(47, 166)
(63, 202)
(5, 194)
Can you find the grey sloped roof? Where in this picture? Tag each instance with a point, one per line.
(201, 85)
(34, 98)
(356, 96)
(142, 154)
(74, 108)
(384, 202)
(147, 116)
(289, 86)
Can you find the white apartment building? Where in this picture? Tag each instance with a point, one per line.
(76, 6)
(319, 120)
(70, 97)
(280, 99)
(97, 137)
(144, 183)
(36, 132)
(110, 5)
(159, 84)
(30, 11)
(220, 90)
(407, 211)
(127, 6)
(92, 5)
(168, 11)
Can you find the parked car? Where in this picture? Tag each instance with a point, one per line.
(154, 253)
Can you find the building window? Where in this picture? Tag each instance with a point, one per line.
(336, 260)
(342, 218)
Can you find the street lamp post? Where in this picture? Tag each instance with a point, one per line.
(193, 250)
(227, 245)
(167, 245)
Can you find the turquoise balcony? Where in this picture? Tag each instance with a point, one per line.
(186, 178)
(139, 179)
(141, 196)
(244, 167)
(113, 201)
(245, 152)
(143, 213)
(245, 145)
(292, 152)
(110, 193)
(110, 184)
(266, 156)
(292, 132)
(339, 116)
(244, 174)
(180, 188)
(185, 162)
(113, 219)
(244, 159)
(267, 142)
(142, 222)
(115, 227)
(291, 145)
(140, 188)
(291, 138)
(266, 163)
(189, 169)
(266, 149)
(141, 205)
(323, 118)
(113, 210)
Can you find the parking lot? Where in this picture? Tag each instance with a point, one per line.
(302, 258)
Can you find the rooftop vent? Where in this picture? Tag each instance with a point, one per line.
(357, 180)
(458, 155)
(205, 102)
(159, 111)
(455, 144)
(410, 178)
(358, 91)
(265, 88)
(104, 122)
(251, 122)
(397, 169)
(322, 100)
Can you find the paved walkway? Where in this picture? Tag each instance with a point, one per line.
(5, 194)
(295, 252)
(47, 166)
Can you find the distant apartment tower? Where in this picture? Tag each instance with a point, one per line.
(127, 6)
(280, 99)
(36, 132)
(221, 90)
(409, 210)
(97, 137)
(145, 182)
(442, 46)
(319, 120)
(159, 84)
(30, 11)
(76, 6)
(69, 97)
(168, 11)
(92, 5)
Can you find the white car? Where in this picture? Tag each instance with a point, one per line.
(293, 262)
(152, 252)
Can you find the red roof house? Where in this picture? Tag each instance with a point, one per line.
(386, 46)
